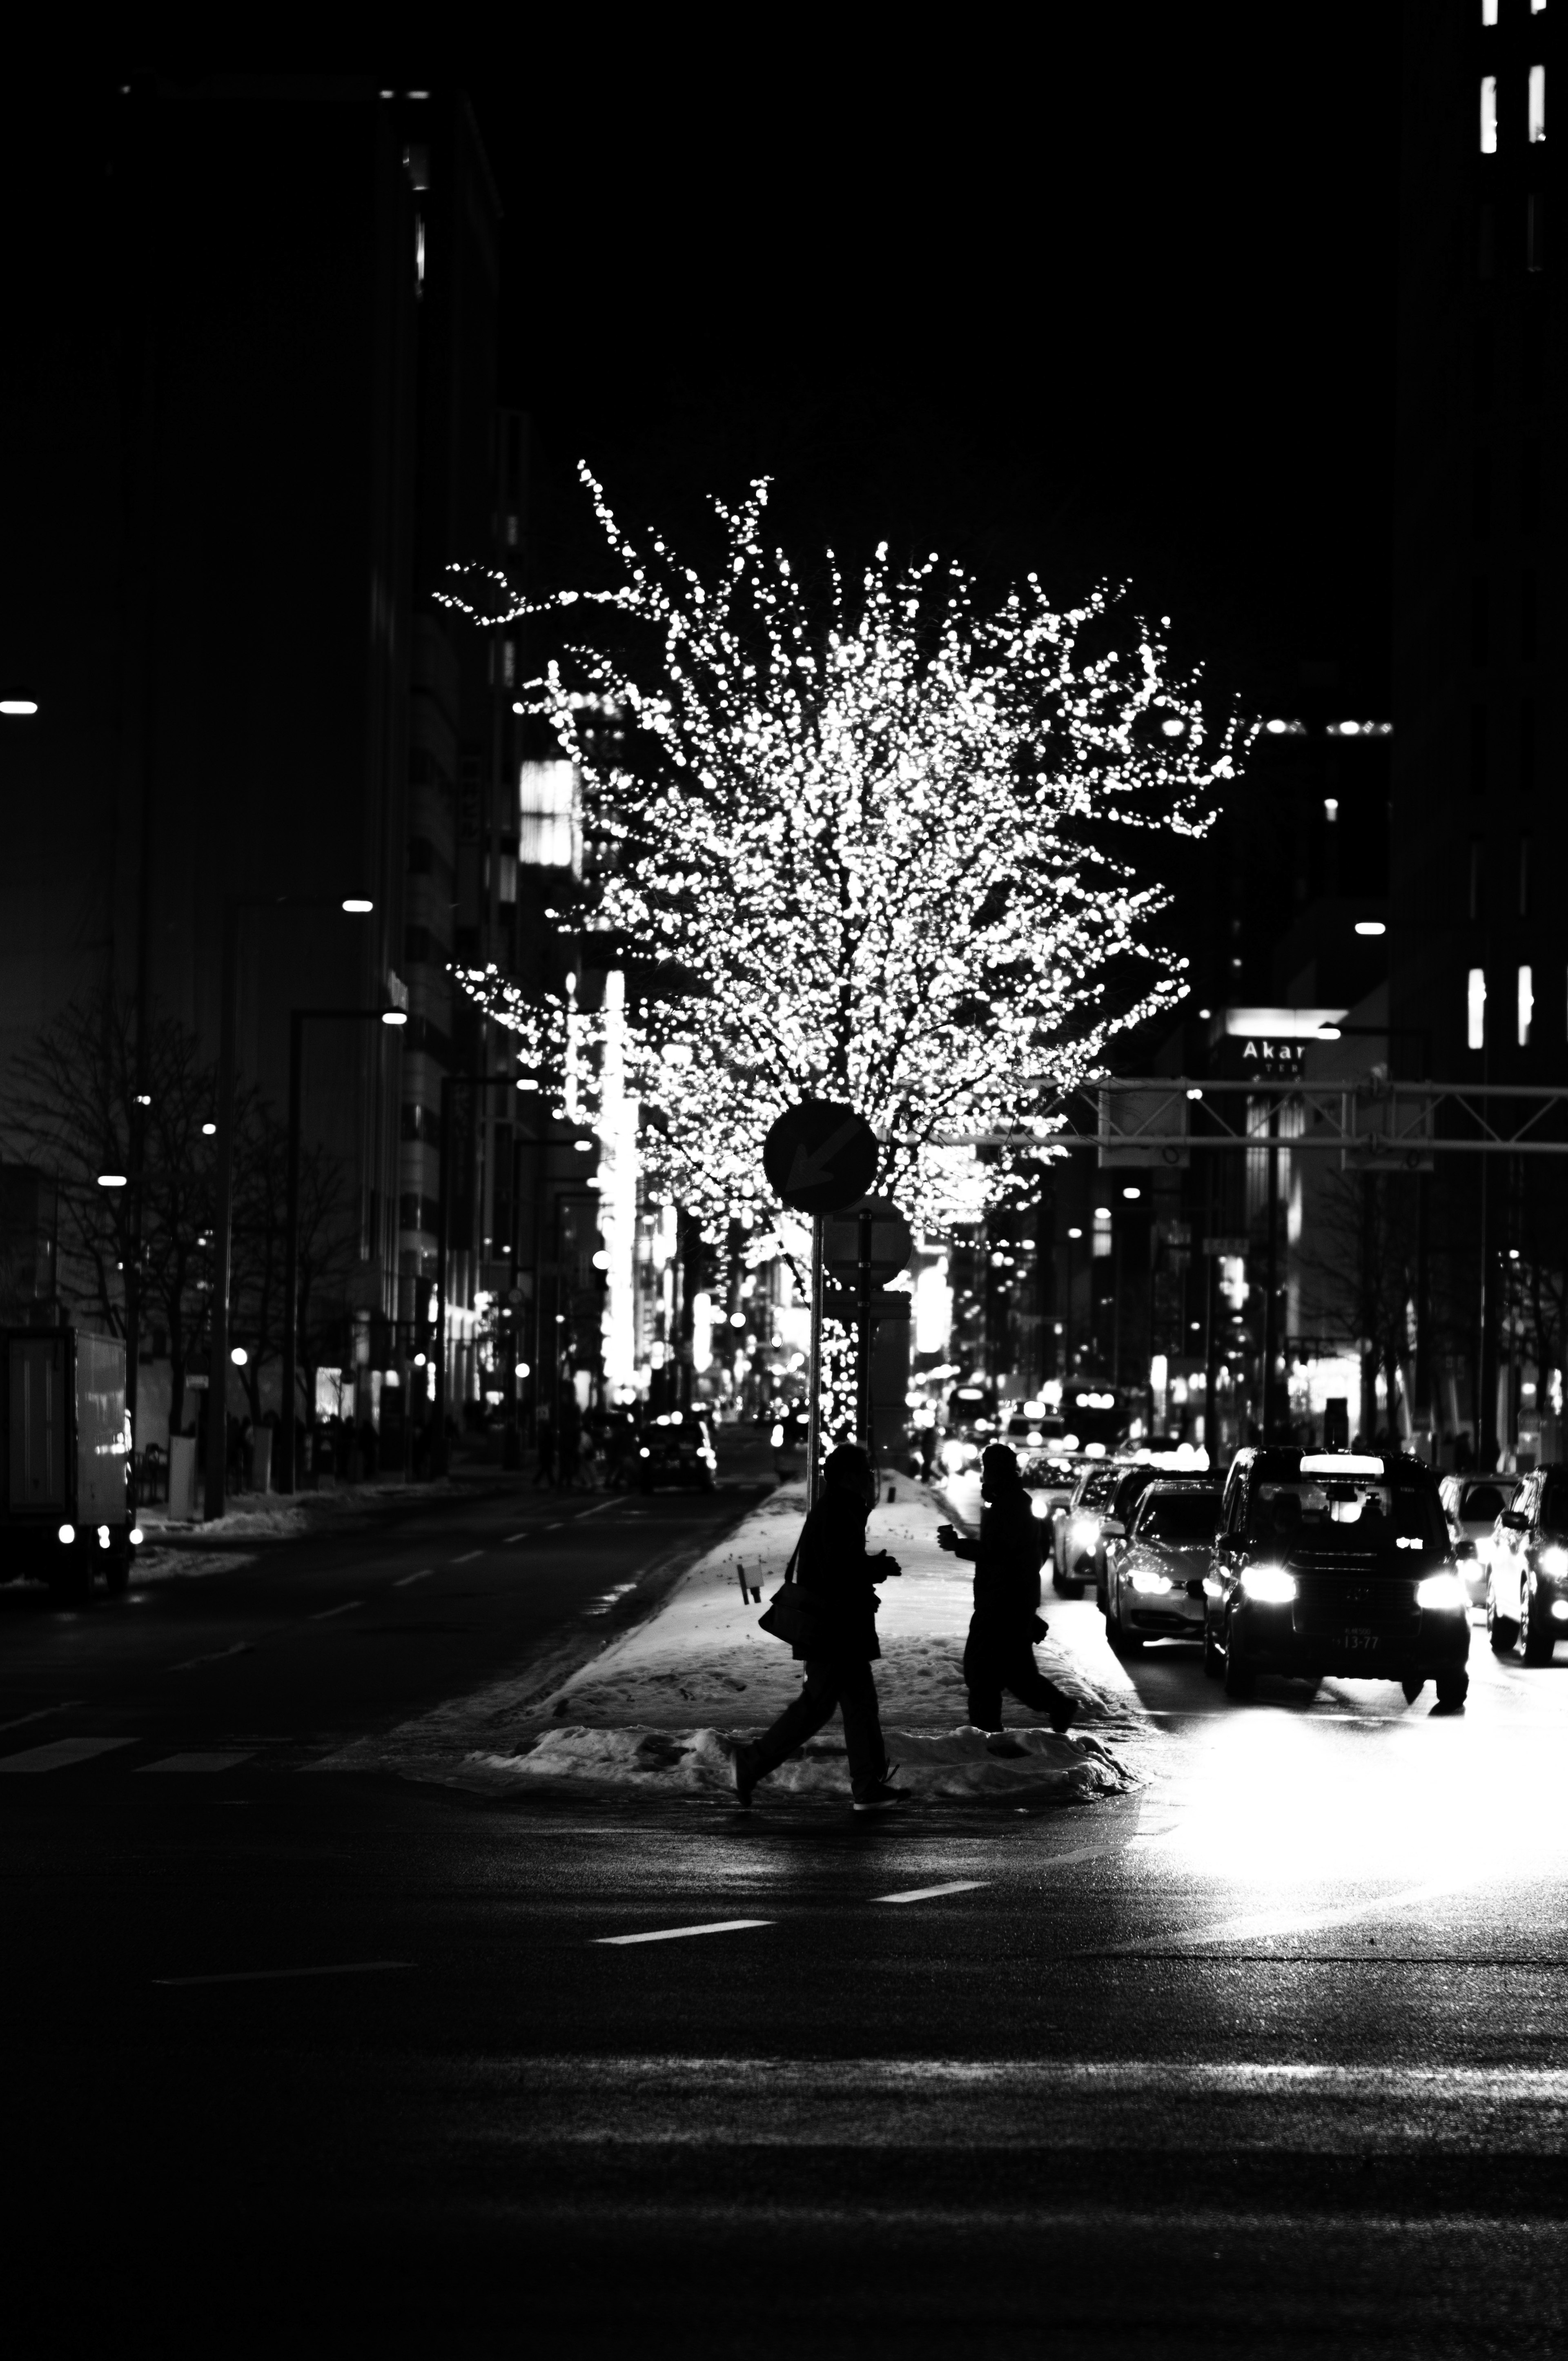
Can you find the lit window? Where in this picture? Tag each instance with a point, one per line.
(1488, 12)
(1537, 103)
(1101, 1231)
(1476, 1009)
(1488, 114)
(1526, 1005)
(548, 823)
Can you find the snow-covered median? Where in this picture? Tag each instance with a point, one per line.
(660, 1711)
(956, 1765)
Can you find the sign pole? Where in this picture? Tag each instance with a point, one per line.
(814, 1376)
(864, 1334)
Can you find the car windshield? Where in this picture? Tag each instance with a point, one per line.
(1183, 1518)
(1355, 1513)
(1483, 1502)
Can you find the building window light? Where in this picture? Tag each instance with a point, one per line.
(549, 827)
(1526, 1005)
(1537, 103)
(1476, 1009)
(1488, 114)
(1488, 12)
(1330, 809)
(1102, 1232)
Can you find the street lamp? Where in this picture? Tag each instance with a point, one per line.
(298, 1019)
(223, 1210)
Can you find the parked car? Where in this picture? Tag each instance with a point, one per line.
(1154, 1589)
(1077, 1534)
(1473, 1505)
(1335, 1562)
(1527, 1585)
(678, 1448)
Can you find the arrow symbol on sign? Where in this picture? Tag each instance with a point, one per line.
(814, 1166)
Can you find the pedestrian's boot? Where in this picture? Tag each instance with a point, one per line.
(1064, 1713)
(880, 1796)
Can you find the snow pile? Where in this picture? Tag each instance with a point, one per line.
(954, 1765)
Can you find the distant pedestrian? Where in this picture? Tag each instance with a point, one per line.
(1000, 1653)
(834, 1567)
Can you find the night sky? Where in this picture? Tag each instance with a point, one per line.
(1116, 297)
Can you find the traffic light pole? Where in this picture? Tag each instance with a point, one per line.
(444, 1239)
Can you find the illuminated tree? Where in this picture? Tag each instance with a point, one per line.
(884, 827)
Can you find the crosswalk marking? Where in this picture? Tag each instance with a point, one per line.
(930, 1892)
(60, 1753)
(213, 1762)
(674, 1934)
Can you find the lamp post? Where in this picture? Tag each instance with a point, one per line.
(223, 1209)
(298, 1019)
(444, 1232)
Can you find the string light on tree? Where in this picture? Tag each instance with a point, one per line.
(885, 831)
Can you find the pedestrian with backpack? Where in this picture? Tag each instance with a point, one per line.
(1000, 1652)
(831, 1625)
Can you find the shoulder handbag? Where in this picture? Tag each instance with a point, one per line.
(793, 1614)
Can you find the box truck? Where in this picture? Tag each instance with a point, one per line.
(65, 1497)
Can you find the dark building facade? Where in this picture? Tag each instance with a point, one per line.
(255, 408)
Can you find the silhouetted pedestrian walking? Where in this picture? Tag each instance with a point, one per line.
(1000, 1652)
(833, 1567)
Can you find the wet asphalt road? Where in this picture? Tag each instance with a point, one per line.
(1269, 2057)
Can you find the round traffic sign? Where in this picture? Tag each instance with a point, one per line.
(892, 1242)
(819, 1156)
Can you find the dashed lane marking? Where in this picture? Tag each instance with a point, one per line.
(62, 1753)
(44, 1713)
(675, 1934)
(403, 1580)
(466, 1559)
(283, 1975)
(930, 1892)
(215, 1656)
(510, 1538)
(197, 1762)
(325, 1614)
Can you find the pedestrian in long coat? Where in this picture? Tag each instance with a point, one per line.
(1000, 1652)
(834, 1567)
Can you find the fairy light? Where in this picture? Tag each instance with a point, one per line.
(886, 828)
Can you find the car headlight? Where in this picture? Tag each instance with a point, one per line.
(1269, 1584)
(1146, 1579)
(1552, 1559)
(1039, 1506)
(1442, 1593)
(1086, 1530)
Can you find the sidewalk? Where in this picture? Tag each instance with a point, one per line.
(660, 1708)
